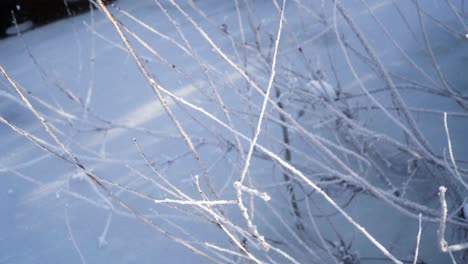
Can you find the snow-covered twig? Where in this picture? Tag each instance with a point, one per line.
(443, 245)
(157, 90)
(242, 207)
(93, 178)
(418, 240)
(263, 195)
(452, 157)
(182, 202)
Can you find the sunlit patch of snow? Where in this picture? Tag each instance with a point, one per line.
(322, 89)
(45, 190)
(20, 28)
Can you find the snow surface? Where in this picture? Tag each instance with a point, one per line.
(52, 213)
(22, 27)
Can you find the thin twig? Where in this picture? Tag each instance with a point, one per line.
(418, 240)
(452, 157)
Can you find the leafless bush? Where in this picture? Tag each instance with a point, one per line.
(295, 113)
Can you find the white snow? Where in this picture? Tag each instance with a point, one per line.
(70, 63)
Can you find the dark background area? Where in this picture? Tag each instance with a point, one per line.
(39, 12)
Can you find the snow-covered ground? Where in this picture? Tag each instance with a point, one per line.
(85, 82)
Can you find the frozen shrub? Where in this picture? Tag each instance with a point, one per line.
(263, 132)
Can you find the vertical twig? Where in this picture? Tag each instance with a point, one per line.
(72, 237)
(288, 158)
(443, 219)
(92, 65)
(242, 207)
(418, 240)
(452, 157)
(443, 245)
